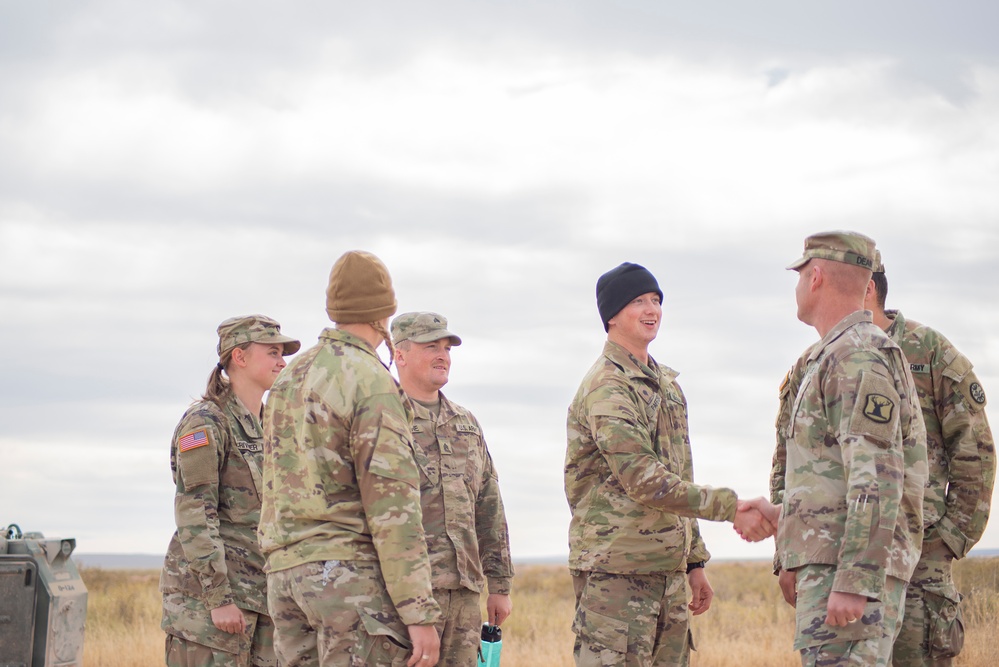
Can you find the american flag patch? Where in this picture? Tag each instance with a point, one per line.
(193, 440)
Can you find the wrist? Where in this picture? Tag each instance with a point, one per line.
(695, 566)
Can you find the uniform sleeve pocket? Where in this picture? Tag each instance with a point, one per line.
(198, 457)
(601, 633)
(393, 456)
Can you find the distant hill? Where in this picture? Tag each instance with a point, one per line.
(119, 561)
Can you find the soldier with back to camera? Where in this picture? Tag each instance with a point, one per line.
(348, 579)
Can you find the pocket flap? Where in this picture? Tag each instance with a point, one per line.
(599, 629)
(375, 627)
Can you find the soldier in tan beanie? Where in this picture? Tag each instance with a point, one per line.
(341, 526)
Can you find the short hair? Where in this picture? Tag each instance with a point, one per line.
(846, 279)
(881, 288)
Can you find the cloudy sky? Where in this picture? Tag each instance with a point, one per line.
(164, 166)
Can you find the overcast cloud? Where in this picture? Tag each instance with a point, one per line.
(165, 166)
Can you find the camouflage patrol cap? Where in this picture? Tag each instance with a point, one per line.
(879, 266)
(847, 247)
(253, 329)
(421, 328)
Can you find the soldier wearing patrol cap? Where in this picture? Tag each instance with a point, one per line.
(961, 468)
(855, 446)
(467, 537)
(213, 584)
(635, 550)
(348, 578)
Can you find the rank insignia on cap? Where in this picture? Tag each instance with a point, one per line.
(977, 393)
(193, 440)
(878, 408)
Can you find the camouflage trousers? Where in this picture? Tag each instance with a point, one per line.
(631, 620)
(193, 640)
(932, 630)
(866, 642)
(335, 614)
(460, 627)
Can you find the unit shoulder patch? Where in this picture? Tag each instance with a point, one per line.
(878, 408)
(875, 410)
(977, 393)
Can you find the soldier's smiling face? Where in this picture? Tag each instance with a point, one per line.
(427, 364)
(638, 322)
(262, 362)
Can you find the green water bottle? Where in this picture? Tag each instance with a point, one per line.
(492, 644)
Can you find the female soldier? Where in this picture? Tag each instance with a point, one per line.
(213, 585)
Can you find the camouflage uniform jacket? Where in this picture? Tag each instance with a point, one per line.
(340, 478)
(959, 444)
(214, 556)
(856, 462)
(463, 515)
(629, 474)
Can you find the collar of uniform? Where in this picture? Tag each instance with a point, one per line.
(851, 320)
(447, 410)
(347, 338)
(897, 327)
(251, 424)
(634, 368)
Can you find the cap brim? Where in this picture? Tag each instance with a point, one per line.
(291, 346)
(435, 335)
(797, 264)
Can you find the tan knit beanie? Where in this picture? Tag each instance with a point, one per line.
(360, 289)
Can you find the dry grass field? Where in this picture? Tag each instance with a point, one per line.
(749, 625)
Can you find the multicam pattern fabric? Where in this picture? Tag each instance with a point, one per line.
(629, 474)
(961, 457)
(961, 468)
(463, 517)
(856, 462)
(460, 627)
(340, 479)
(932, 628)
(336, 613)
(866, 641)
(213, 559)
(959, 443)
(651, 630)
(193, 642)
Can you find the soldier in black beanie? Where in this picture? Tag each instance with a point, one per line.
(617, 287)
(635, 550)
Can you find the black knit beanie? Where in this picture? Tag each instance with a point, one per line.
(617, 287)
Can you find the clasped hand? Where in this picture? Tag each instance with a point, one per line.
(756, 519)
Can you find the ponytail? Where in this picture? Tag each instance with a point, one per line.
(218, 388)
(380, 328)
